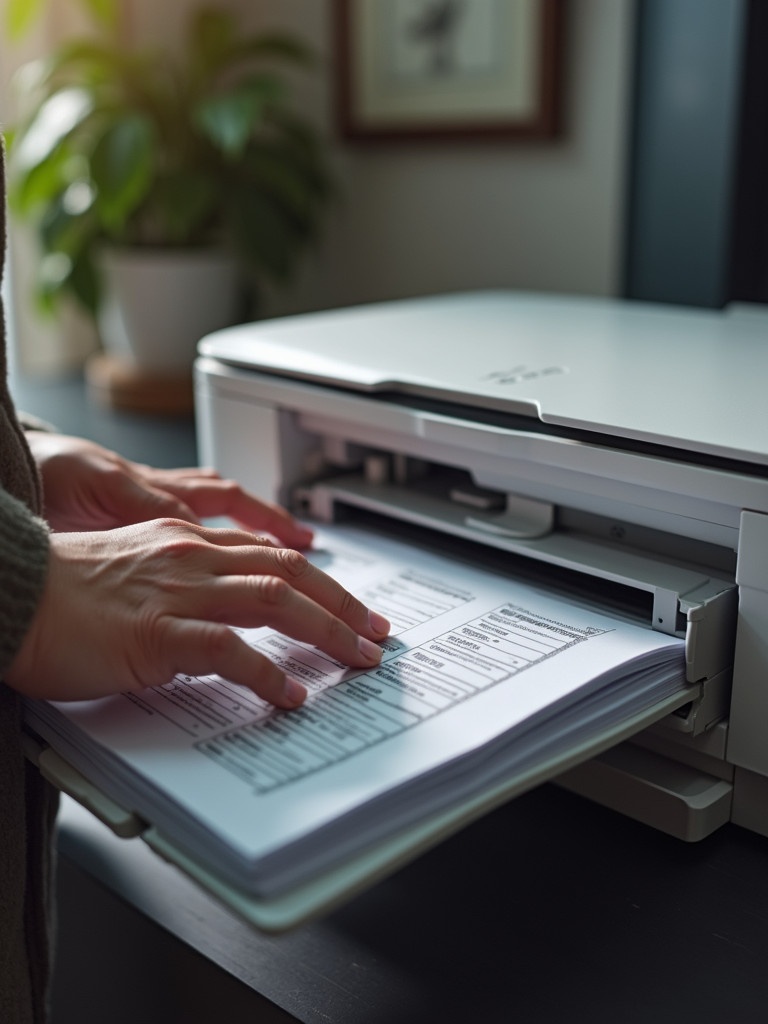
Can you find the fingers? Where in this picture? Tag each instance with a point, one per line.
(263, 585)
(205, 648)
(232, 576)
(178, 473)
(88, 487)
(260, 515)
(270, 601)
(132, 606)
(209, 496)
(288, 593)
(137, 502)
(218, 536)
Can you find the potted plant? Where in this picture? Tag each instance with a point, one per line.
(134, 158)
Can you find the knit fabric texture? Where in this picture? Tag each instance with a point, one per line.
(27, 802)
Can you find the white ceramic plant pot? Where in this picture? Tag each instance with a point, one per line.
(159, 303)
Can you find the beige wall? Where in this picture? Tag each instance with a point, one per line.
(428, 218)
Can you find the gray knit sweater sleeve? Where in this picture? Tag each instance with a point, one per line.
(24, 542)
(27, 802)
(23, 566)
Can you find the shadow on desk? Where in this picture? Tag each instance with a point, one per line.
(115, 965)
(551, 909)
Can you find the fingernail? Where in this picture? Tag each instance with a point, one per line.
(369, 650)
(293, 691)
(378, 623)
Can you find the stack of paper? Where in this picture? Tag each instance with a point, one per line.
(484, 680)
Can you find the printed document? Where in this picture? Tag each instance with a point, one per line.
(483, 677)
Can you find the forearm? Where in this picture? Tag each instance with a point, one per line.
(24, 546)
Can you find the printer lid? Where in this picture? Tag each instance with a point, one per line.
(684, 378)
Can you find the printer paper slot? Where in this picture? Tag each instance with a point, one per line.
(679, 599)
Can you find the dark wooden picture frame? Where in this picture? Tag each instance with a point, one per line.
(448, 69)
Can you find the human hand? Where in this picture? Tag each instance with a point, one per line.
(130, 608)
(88, 487)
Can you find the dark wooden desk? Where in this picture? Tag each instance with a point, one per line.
(549, 910)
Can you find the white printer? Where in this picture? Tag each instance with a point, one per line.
(618, 450)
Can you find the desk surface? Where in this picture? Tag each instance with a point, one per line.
(64, 403)
(551, 909)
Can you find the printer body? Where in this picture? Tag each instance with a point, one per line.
(615, 450)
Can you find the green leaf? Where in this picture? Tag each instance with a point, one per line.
(263, 235)
(54, 120)
(228, 120)
(122, 167)
(84, 281)
(20, 16)
(62, 232)
(188, 202)
(212, 37)
(67, 241)
(38, 186)
(84, 60)
(215, 44)
(275, 46)
(78, 277)
(104, 11)
(272, 174)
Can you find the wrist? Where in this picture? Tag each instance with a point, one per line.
(24, 559)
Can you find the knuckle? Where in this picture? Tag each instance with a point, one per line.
(348, 605)
(220, 640)
(271, 590)
(171, 525)
(292, 563)
(178, 540)
(180, 548)
(227, 490)
(162, 658)
(153, 642)
(161, 500)
(336, 631)
(115, 480)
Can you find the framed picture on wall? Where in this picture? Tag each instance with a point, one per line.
(453, 69)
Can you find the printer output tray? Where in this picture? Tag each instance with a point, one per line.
(340, 884)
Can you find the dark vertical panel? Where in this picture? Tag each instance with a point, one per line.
(749, 263)
(682, 165)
